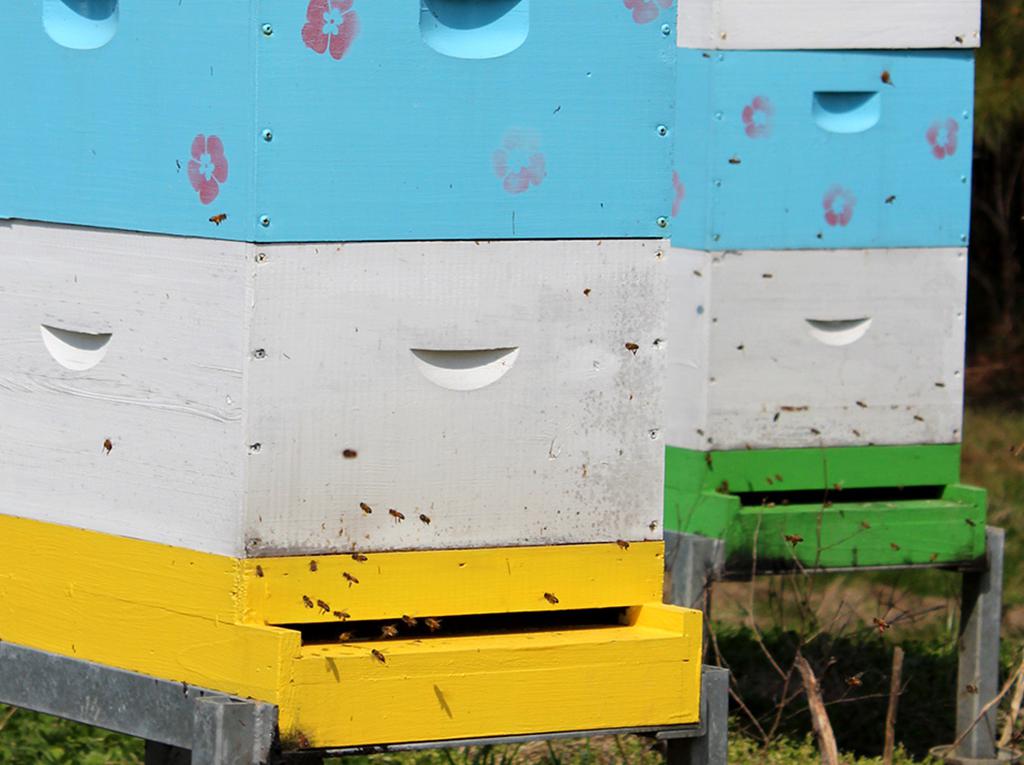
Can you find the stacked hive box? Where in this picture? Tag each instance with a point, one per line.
(337, 321)
(818, 283)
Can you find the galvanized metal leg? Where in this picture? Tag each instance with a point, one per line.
(712, 747)
(691, 563)
(174, 718)
(978, 671)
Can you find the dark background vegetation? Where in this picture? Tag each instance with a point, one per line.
(996, 342)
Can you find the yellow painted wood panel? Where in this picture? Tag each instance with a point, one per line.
(447, 688)
(177, 615)
(134, 605)
(447, 582)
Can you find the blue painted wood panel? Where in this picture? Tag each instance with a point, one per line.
(103, 136)
(811, 150)
(340, 119)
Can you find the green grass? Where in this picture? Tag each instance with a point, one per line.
(990, 460)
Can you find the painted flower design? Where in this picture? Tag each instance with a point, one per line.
(680, 193)
(942, 137)
(838, 203)
(519, 162)
(330, 25)
(646, 11)
(757, 118)
(208, 167)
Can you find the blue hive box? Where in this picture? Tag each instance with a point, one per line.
(812, 150)
(340, 119)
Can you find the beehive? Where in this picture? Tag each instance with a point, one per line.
(336, 359)
(818, 278)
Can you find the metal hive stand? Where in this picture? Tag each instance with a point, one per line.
(701, 561)
(184, 724)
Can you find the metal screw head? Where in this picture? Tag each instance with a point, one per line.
(264, 220)
(268, 135)
(662, 130)
(666, 30)
(261, 257)
(662, 222)
(268, 30)
(259, 353)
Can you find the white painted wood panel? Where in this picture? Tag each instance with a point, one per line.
(134, 339)
(824, 24)
(255, 398)
(810, 348)
(508, 393)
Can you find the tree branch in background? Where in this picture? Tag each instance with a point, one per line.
(894, 700)
(819, 716)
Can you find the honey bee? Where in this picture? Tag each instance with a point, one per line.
(887, 78)
(350, 454)
(632, 348)
(855, 681)
(933, 557)
(351, 579)
(865, 525)
(881, 625)
(379, 656)
(343, 615)
(862, 405)
(107, 445)
(323, 606)
(344, 637)
(259, 571)
(396, 515)
(410, 621)
(365, 508)
(359, 558)
(734, 160)
(890, 199)
(586, 292)
(425, 518)
(307, 601)
(622, 543)
(389, 631)
(815, 431)
(919, 418)
(550, 598)
(794, 539)
(970, 523)
(652, 525)
(894, 546)
(312, 565)
(432, 624)
(218, 219)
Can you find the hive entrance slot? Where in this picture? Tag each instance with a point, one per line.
(80, 24)
(474, 28)
(458, 626)
(821, 496)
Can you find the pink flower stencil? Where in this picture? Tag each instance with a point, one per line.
(523, 149)
(942, 137)
(208, 167)
(330, 25)
(646, 11)
(757, 118)
(838, 203)
(680, 190)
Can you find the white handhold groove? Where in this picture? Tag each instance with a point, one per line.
(76, 351)
(846, 112)
(465, 370)
(838, 332)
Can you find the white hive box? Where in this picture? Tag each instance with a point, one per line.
(805, 348)
(255, 401)
(823, 24)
